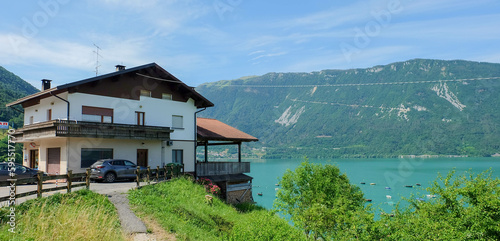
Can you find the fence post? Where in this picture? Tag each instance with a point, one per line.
(138, 174)
(149, 171)
(165, 172)
(87, 178)
(68, 181)
(157, 173)
(39, 176)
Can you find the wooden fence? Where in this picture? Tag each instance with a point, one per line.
(39, 179)
(147, 175)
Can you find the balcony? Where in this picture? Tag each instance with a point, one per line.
(64, 128)
(221, 168)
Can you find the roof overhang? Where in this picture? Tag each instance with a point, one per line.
(214, 130)
(151, 70)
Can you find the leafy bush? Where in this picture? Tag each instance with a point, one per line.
(209, 186)
(466, 207)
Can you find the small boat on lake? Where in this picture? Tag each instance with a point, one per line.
(410, 186)
(387, 188)
(363, 183)
(368, 200)
(388, 196)
(260, 194)
(418, 184)
(373, 183)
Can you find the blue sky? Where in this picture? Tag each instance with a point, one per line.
(209, 40)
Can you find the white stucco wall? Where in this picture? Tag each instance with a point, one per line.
(42, 145)
(158, 112)
(39, 112)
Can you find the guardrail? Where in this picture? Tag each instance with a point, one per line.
(221, 168)
(39, 179)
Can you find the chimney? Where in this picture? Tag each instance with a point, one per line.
(45, 84)
(120, 67)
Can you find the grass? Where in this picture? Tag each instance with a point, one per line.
(180, 207)
(81, 215)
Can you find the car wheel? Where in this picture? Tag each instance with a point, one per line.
(110, 177)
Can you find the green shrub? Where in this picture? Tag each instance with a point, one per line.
(466, 207)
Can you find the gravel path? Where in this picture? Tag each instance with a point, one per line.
(130, 222)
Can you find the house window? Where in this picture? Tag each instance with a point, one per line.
(140, 118)
(177, 122)
(177, 156)
(31, 120)
(166, 96)
(146, 93)
(49, 114)
(97, 114)
(91, 155)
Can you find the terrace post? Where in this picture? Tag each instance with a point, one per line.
(239, 151)
(39, 184)
(68, 181)
(157, 173)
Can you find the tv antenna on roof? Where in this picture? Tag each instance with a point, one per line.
(97, 59)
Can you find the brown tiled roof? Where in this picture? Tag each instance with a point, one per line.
(214, 130)
(158, 72)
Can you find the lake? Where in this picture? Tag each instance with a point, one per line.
(395, 174)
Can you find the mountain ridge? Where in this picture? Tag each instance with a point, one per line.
(413, 107)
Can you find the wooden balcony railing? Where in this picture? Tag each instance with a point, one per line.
(221, 168)
(66, 128)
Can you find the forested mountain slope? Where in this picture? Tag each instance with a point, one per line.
(12, 88)
(416, 107)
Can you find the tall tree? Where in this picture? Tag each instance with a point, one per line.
(320, 200)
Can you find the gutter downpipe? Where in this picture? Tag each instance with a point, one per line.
(196, 138)
(67, 118)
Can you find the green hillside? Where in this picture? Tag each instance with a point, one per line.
(12, 88)
(416, 107)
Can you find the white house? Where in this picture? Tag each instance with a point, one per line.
(143, 114)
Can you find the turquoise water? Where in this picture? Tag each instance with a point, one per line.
(395, 174)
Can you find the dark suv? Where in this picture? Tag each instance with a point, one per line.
(110, 170)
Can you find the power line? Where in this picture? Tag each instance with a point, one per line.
(365, 84)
